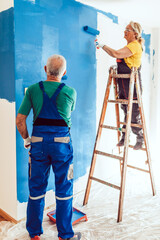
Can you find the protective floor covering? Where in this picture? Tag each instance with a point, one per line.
(141, 215)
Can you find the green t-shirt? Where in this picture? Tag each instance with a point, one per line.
(33, 98)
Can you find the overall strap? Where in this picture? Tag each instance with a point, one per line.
(53, 98)
(41, 86)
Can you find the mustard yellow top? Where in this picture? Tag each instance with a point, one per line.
(135, 60)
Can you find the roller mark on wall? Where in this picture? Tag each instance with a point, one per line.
(153, 69)
(32, 1)
(154, 52)
(153, 64)
(147, 44)
(114, 18)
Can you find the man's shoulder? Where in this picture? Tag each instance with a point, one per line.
(69, 90)
(33, 87)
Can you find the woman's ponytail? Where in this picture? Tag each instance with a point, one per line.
(138, 30)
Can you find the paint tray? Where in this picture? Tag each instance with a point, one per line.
(77, 216)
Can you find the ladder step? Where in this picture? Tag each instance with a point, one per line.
(113, 128)
(140, 169)
(121, 101)
(121, 75)
(132, 124)
(143, 149)
(106, 183)
(108, 155)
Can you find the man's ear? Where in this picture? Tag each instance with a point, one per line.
(64, 73)
(45, 68)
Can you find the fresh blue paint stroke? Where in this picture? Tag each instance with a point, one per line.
(153, 62)
(147, 38)
(114, 18)
(7, 83)
(56, 27)
(154, 52)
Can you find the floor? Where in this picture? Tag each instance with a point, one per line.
(141, 213)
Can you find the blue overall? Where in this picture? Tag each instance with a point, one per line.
(51, 146)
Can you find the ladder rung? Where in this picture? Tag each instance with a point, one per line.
(106, 183)
(122, 101)
(143, 149)
(121, 75)
(108, 155)
(140, 169)
(113, 128)
(132, 124)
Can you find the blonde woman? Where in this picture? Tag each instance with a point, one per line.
(128, 57)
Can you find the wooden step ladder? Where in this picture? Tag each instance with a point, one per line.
(134, 79)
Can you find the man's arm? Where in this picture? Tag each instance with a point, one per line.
(22, 128)
(21, 125)
(74, 98)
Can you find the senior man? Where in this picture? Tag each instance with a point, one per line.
(52, 103)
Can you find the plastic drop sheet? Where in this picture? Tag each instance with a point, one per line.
(141, 213)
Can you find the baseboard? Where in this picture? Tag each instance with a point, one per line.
(7, 217)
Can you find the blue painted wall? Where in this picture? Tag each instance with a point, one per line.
(42, 29)
(147, 43)
(56, 27)
(7, 83)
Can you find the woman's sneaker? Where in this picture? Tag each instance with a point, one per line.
(138, 145)
(77, 236)
(120, 143)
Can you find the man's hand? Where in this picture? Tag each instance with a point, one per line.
(98, 44)
(27, 142)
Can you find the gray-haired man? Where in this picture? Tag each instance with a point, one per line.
(52, 103)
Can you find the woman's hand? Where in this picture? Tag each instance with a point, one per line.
(98, 44)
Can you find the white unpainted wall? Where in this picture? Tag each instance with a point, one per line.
(5, 4)
(112, 35)
(154, 110)
(144, 11)
(8, 185)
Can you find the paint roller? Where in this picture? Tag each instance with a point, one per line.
(91, 30)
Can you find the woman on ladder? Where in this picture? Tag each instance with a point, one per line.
(128, 57)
